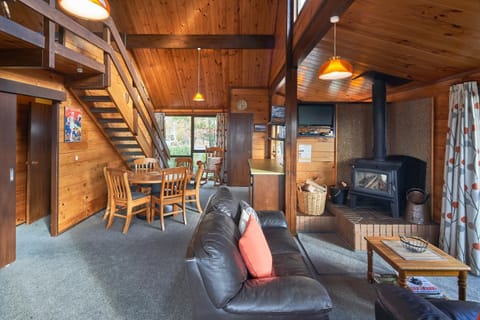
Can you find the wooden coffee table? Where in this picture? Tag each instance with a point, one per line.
(447, 267)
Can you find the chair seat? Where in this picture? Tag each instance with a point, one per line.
(137, 195)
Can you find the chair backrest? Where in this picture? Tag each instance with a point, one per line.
(184, 162)
(174, 182)
(119, 185)
(145, 163)
(214, 159)
(198, 177)
(214, 152)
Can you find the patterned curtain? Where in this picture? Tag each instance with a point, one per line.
(222, 130)
(460, 221)
(160, 118)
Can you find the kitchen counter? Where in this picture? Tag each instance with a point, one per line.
(267, 189)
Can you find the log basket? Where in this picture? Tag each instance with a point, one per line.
(311, 203)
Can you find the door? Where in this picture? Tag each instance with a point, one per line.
(39, 162)
(8, 115)
(239, 149)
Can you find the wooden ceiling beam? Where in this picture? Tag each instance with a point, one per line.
(164, 41)
(318, 25)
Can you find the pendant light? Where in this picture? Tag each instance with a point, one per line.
(335, 68)
(86, 9)
(198, 96)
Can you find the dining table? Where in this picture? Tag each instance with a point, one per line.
(145, 176)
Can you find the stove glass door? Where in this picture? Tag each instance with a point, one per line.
(372, 181)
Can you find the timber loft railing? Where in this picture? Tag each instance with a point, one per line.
(110, 90)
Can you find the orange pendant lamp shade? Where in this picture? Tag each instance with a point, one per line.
(198, 97)
(86, 9)
(335, 69)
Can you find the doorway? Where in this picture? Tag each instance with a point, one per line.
(13, 92)
(33, 159)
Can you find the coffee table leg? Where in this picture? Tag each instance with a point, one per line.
(402, 280)
(370, 263)
(462, 285)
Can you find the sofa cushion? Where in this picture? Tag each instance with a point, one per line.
(280, 240)
(406, 305)
(255, 251)
(272, 219)
(223, 202)
(289, 264)
(247, 211)
(219, 261)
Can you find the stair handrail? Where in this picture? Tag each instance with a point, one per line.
(65, 21)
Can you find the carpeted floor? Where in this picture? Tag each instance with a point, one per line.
(343, 272)
(92, 273)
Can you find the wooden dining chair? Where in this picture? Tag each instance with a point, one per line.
(192, 193)
(124, 200)
(108, 208)
(213, 164)
(184, 162)
(145, 164)
(172, 192)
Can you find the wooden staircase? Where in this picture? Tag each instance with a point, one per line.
(123, 113)
(99, 73)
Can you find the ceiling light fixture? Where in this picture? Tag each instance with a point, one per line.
(335, 68)
(86, 9)
(198, 96)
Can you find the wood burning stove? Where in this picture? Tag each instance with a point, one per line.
(385, 178)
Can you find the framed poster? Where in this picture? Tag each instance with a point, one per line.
(73, 125)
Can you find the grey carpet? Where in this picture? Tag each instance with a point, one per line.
(92, 273)
(329, 254)
(343, 272)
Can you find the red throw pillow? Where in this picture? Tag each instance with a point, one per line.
(255, 251)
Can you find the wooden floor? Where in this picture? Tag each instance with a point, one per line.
(354, 224)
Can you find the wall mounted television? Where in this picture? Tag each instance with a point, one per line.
(316, 114)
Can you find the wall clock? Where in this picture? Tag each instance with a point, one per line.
(242, 104)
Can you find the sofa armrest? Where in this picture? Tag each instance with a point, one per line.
(272, 219)
(402, 304)
(458, 309)
(292, 294)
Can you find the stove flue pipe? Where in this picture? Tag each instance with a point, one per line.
(379, 111)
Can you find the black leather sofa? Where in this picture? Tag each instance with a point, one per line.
(219, 281)
(397, 303)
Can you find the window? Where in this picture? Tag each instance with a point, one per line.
(188, 136)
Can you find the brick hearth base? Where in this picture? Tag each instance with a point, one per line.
(354, 224)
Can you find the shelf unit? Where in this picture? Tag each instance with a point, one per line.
(276, 142)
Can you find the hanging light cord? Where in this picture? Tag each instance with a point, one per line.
(198, 70)
(334, 39)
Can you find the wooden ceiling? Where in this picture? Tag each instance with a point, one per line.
(420, 40)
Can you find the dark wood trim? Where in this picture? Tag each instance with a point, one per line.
(49, 33)
(79, 58)
(65, 21)
(290, 126)
(54, 170)
(26, 57)
(318, 26)
(21, 32)
(31, 90)
(167, 41)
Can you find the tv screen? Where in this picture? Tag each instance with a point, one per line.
(316, 115)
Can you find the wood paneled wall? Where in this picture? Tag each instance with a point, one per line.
(259, 105)
(21, 168)
(82, 190)
(322, 166)
(440, 94)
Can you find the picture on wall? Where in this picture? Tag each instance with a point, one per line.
(73, 125)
